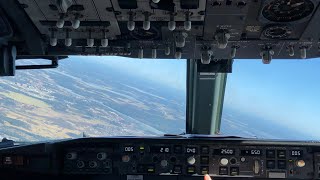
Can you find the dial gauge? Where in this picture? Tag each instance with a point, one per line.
(277, 32)
(287, 10)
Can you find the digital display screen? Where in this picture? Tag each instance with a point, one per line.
(251, 152)
(128, 149)
(224, 151)
(191, 150)
(160, 149)
(296, 153)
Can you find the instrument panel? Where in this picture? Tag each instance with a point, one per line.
(168, 157)
(167, 29)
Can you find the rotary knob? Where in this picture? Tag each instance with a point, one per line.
(164, 163)
(301, 163)
(191, 160)
(224, 161)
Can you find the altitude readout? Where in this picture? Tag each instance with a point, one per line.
(160, 149)
(251, 152)
(296, 153)
(224, 151)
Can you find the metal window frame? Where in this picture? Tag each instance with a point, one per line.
(205, 96)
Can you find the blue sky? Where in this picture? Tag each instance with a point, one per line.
(169, 72)
(286, 92)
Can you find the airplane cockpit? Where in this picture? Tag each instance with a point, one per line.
(210, 34)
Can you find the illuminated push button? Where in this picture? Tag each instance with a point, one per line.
(177, 169)
(301, 163)
(191, 170)
(271, 164)
(271, 153)
(234, 171)
(125, 158)
(242, 159)
(223, 171)
(191, 160)
(205, 170)
(150, 169)
(282, 164)
(204, 150)
(224, 161)
(281, 154)
(204, 160)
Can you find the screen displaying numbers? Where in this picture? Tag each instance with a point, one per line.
(223, 151)
(128, 149)
(191, 150)
(160, 149)
(296, 153)
(251, 152)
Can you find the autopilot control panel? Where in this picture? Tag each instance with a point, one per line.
(143, 158)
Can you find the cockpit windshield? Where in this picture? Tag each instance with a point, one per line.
(115, 96)
(276, 101)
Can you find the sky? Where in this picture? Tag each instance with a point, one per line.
(285, 91)
(169, 72)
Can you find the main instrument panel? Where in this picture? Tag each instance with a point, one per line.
(147, 158)
(170, 29)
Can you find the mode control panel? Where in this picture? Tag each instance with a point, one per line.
(194, 159)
